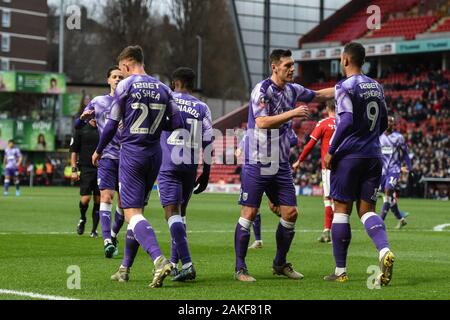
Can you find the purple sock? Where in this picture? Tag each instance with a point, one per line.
(376, 230)
(173, 253)
(95, 216)
(241, 240)
(396, 211)
(341, 234)
(385, 210)
(145, 235)
(178, 233)
(284, 235)
(105, 220)
(257, 227)
(131, 249)
(118, 222)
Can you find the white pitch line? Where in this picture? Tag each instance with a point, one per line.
(33, 295)
(441, 227)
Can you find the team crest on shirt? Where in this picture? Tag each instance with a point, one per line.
(263, 101)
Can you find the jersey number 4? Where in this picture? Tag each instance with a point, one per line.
(136, 127)
(177, 138)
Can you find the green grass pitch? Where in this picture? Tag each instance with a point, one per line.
(38, 243)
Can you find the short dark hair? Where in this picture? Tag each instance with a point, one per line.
(356, 52)
(110, 70)
(277, 54)
(132, 52)
(11, 141)
(186, 76)
(331, 105)
(53, 80)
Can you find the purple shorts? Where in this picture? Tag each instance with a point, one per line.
(354, 179)
(279, 187)
(108, 174)
(175, 187)
(11, 172)
(389, 181)
(137, 176)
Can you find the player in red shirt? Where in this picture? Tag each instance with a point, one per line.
(323, 131)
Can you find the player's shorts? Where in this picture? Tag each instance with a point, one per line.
(279, 187)
(326, 182)
(137, 175)
(88, 182)
(389, 181)
(11, 172)
(108, 174)
(175, 187)
(353, 179)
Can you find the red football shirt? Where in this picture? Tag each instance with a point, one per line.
(323, 131)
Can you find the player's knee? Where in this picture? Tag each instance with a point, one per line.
(289, 214)
(106, 197)
(249, 213)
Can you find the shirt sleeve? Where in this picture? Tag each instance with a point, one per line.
(317, 132)
(173, 119)
(303, 94)
(119, 101)
(207, 130)
(343, 101)
(75, 142)
(259, 102)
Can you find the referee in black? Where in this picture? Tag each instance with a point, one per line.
(82, 146)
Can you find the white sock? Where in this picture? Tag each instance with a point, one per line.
(287, 224)
(383, 252)
(245, 223)
(339, 271)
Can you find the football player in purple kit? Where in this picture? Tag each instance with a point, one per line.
(12, 160)
(177, 177)
(394, 150)
(145, 106)
(272, 106)
(108, 168)
(354, 158)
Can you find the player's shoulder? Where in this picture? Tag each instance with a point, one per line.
(263, 87)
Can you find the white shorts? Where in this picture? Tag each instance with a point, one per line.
(326, 182)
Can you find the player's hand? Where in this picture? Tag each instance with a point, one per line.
(86, 115)
(75, 177)
(301, 112)
(404, 170)
(120, 125)
(296, 165)
(327, 161)
(238, 152)
(95, 157)
(201, 183)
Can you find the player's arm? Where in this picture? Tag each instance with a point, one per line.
(19, 162)
(406, 158)
(274, 122)
(345, 124)
(207, 141)
(75, 147)
(324, 95)
(114, 118)
(174, 120)
(87, 114)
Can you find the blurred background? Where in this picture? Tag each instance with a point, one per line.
(54, 56)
